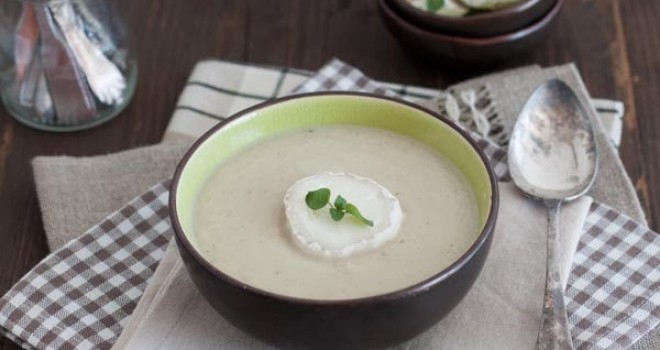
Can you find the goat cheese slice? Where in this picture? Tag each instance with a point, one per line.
(316, 232)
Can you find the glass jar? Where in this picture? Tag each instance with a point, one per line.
(65, 65)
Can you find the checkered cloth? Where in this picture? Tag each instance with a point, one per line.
(78, 297)
(613, 293)
(81, 295)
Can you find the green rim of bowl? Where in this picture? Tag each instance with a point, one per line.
(310, 110)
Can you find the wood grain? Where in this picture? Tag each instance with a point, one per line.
(643, 81)
(614, 43)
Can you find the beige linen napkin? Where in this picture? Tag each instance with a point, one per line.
(507, 295)
(76, 193)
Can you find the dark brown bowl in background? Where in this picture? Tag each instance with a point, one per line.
(465, 50)
(485, 24)
(365, 323)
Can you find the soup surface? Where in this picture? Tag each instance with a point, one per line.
(240, 226)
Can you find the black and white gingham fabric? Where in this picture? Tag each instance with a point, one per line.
(338, 76)
(80, 296)
(613, 294)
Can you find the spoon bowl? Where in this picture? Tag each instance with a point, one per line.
(552, 152)
(553, 157)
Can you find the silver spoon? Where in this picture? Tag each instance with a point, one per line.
(553, 157)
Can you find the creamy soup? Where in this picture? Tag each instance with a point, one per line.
(240, 226)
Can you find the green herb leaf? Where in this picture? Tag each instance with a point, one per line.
(340, 202)
(353, 210)
(317, 199)
(320, 198)
(434, 5)
(336, 214)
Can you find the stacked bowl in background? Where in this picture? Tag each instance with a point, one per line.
(480, 38)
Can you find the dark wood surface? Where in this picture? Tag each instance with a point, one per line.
(615, 44)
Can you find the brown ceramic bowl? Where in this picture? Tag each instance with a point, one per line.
(437, 46)
(486, 24)
(364, 323)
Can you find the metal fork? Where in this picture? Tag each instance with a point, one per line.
(104, 78)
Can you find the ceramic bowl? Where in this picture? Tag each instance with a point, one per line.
(486, 24)
(365, 323)
(446, 47)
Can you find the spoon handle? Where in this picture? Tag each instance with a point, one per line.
(554, 333)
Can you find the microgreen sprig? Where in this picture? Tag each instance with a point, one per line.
(434, 5)
(320, 198)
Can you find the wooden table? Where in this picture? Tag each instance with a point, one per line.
(615, 44)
